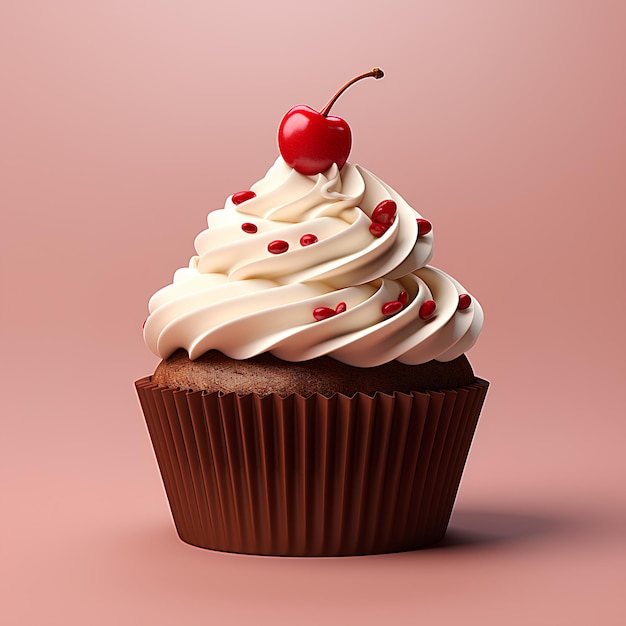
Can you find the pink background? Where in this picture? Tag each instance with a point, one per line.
(123, 122)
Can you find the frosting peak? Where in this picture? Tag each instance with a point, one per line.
(341, 243)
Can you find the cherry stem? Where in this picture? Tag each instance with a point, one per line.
(374, 73)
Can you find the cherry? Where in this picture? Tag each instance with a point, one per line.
(242, 196)
(310, 141)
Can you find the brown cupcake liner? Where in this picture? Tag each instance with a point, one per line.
(311, 476)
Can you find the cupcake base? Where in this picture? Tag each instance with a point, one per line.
(311, 476)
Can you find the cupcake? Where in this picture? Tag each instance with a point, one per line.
(313, 398)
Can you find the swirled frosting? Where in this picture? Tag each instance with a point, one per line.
(297, 271)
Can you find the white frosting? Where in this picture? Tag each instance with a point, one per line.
(241, 299)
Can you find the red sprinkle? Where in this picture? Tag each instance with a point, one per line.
(278, 246)
(249, 228)
(242, 196)
(464, 301)
(378, 230)
(427, 310)
(144, 323)
(391, 308)
(385, 213)
(403, 298)
(323, 312)
(308, 239)
(423, 226)
(341, 307)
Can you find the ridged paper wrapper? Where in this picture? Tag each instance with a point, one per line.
(311, 476)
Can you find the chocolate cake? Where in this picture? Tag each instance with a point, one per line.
(265, 374)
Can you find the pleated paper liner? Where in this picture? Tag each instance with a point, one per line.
(312, 476)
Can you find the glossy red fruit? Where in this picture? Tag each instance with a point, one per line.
(427, 310)
(341, 307)
(464, 301)
(242, 196)
(311, 143)
(423, 226)
(323, 312)
(308, 239)
(249, 228)
(385, 213)
(278, 246)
